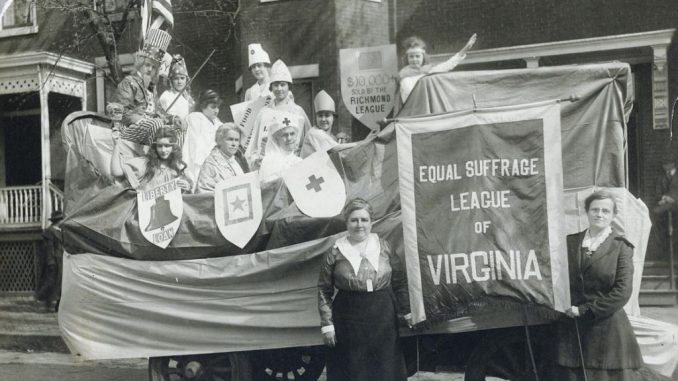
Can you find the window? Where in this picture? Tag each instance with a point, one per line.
(19, 18)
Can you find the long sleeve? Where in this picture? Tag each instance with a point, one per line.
(326, 288)
(620, 292)
(398, 279)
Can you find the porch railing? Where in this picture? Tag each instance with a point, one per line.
(22, 205)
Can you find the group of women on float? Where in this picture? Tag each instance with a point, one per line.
(359, 322)
(211, 150)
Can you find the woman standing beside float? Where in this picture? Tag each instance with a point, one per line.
(360, 322)
(601, 277)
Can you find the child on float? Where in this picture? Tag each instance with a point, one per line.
(259, 64)
(417, 63)
(161, 164)
(178, 79)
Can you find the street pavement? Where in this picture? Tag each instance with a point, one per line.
(31, 349)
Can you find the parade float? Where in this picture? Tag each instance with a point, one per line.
(475, 182)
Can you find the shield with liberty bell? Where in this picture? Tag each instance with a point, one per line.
(160, 209)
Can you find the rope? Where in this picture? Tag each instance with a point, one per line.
(581, 352)
(529, 344)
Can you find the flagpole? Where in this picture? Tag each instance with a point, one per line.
(190, 80)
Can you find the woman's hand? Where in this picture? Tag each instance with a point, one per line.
(573, 312)
(115, 134)
(330, 339)
(184, 185)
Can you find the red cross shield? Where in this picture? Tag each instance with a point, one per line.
(316, 186)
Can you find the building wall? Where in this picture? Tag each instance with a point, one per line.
(303, 32)
(194, 36)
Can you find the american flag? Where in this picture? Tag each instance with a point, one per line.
(159, 8)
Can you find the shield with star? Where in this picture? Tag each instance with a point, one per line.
(316, 186)
(237, 208)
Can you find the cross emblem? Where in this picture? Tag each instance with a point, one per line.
(286, 122)
(314, 183)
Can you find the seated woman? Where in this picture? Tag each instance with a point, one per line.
(281, 80)
(224, 161)
(418, 65)
(202, 126)
(161, 164)
(281, 147)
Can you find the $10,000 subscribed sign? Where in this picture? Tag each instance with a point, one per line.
(482, 221)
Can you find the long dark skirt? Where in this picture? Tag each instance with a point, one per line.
(368, 347)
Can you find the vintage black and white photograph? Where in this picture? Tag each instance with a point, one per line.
(338, 190)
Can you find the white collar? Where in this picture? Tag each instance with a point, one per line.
(592, 243)
(372, 251)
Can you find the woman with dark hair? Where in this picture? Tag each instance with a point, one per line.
(224, 161)
(360, 323)
(601, 276)
(202, 127)
(161, 164)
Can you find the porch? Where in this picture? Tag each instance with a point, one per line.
(27, 207)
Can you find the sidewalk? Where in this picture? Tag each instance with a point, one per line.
(30, 335)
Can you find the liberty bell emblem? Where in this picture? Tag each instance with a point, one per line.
(161, 214)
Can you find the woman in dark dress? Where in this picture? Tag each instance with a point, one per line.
(360, 324)
(601, 275)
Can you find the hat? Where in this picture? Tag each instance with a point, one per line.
(178, 66)
(283, 119)
(324, 102)
(257, 54)
(57, 215)
(155, 45)
(280, 72)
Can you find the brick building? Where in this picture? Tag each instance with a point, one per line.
(308, 34)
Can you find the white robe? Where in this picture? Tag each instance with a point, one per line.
(257, 91)
(180, 108)
(198, 141)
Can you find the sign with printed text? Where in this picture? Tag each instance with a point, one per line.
(482, 221)
(237, 208)
(368, 82)
(160, 209)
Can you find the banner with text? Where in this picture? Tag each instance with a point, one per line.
(368, 82)
(482, 221)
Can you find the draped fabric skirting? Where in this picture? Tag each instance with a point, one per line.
(368, 347)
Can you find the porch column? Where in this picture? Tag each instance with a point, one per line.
(660, 88)
(44, 144)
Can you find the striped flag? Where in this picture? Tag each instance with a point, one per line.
(162, 9)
